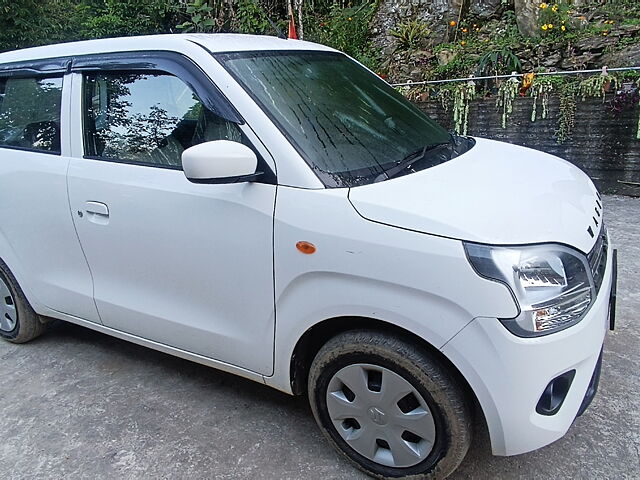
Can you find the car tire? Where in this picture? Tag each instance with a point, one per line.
(394, 386)
(18, 322)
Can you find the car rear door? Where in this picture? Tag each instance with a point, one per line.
(182, 264)
(38, 240)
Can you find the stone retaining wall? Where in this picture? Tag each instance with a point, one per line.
(603, 145)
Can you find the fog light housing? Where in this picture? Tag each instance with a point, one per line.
(554, 394)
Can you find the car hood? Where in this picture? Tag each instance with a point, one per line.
(495, 193)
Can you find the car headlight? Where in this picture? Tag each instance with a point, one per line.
(551, 284)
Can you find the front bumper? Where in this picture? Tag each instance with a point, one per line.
(508, 374)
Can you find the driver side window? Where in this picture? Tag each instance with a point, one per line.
(147, 118)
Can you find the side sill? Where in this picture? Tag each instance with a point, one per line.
(161, 347)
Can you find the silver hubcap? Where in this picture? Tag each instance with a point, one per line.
(381, 415)
(8, 314)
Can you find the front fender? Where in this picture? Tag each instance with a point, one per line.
(421, 283)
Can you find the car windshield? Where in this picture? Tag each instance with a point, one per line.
(349, 125)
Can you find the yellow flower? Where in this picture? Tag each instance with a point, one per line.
(563, 28)
(463, 43)
(550, 26)
(554, 8)
(604, 34)
(349, 18)
(543, 5)
(544, 27)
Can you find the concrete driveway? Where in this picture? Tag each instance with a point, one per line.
(78, 404)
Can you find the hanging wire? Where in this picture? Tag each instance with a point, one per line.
(513, 75)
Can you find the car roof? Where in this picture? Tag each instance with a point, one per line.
(214, 42)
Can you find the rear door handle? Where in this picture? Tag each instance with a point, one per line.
(97, 212)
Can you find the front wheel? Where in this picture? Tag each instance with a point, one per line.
(389, 407)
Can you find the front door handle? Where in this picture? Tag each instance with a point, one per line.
(98, 208)
(97, 212)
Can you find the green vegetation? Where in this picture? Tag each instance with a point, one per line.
(568, 35)
(564, 35)
(344, 26)
(541, 88)
(340, 24)
(411, 35)
(507, 92)
(496, 61)
(567, 112)
(596, 86)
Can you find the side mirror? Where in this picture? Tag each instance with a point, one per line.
(220, 161)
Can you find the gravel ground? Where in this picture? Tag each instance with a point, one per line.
(78, 404)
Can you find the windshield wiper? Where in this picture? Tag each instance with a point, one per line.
(409, 160)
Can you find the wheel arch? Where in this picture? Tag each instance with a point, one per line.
(317, 335)
(11, 262)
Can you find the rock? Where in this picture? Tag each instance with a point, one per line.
(627, 57)
(586, 60)
(551, 60)
(436, 13)
(416, 74)
(445, 56)
(595, 44)
(627, 29)
(524, 53)
(577, 22)
(485, 8)
(527, 16)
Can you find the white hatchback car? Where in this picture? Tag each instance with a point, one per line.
(271, 208)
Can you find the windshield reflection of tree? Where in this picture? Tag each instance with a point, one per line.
(128, 132)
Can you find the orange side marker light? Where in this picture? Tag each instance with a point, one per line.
(306, 247)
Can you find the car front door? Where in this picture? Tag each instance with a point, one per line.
(183, 264)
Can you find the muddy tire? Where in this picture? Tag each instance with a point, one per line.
(18, 322)
(390, 407)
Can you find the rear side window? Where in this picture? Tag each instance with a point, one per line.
(30, 113)
(147, 118)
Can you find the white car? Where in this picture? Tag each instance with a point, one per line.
(273, 209)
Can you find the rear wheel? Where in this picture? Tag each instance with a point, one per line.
(18, 322)
(389, 407)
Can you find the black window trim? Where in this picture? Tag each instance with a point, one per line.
(36, 68)
(130, 162)
(173, 63)
(22, 73)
